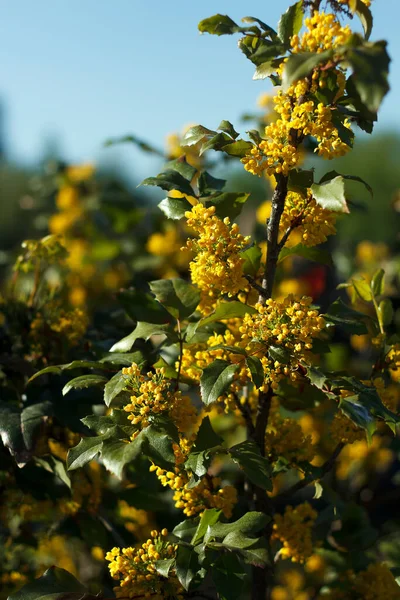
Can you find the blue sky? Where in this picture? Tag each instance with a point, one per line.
(82, 71)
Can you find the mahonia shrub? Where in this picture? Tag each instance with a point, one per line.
(217, 449)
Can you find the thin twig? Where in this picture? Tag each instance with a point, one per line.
(244, 409)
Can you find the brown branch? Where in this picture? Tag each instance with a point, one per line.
(278, 204)
(326, 467)
(245, 412)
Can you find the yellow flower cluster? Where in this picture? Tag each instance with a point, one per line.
(349, 2)
(137, 573)
(298, 114)
(285, 437)
(207, 494)
(323, 32)
(294, 530)
(55, 550)
(309, 219)
(276, 154)
(360, 459)
(217, 266)
(152, 394)
(290, 325)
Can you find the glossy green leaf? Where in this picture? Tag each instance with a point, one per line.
(55, 466)
(331, 194)
(256, 370)
(229, 576)
(370, 63)
(179, 297)
(170, 180)
(83, 382)
(141, 306)
(238, 148)
(254, 551)
(386, 312)
(216, 380)
(363, 289)
(378, 282)
(75, 364)
(209, 185)
(86, 450)
(255, 466)
(228, 204)
(364, 14)
(209, 517)
(352, 321)
(164, 566)
(252, 260)
(32, 419)
(300, 180)
(187, 566)
(300, 65)
(143, 331)
(218, 25)
(333, 174)
(290, 22)
(251, 523)
(174, 208)
(228, 128)
(182, 167)
(54, 584)
(114, 386)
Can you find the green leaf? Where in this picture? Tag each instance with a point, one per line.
(207, 443)
(317, 377)
(252, 260)
(250, 523)
(332, 174)
(271, 32)
(182, 167)
(378, 282)
(358, 414)
(196, 134)
(256, 370)
(255, 466)
(54, 584)
(170, 180)
(124, 359)
(370, 63)
(363, 289)
(279, 354)
(116, 454)
(209, 517)
(141, 306)
(206, 437)
(315, 254)
(365, 16)
(227, 310)
(164, 566)
(352, 321)
(218, 25)
(238, 148)
(85, 451)
(174, 208)
(144, 331)
(179, 297)
(208, 184)
(216, 380)
(290, 22)
(254, 551)
(187, 566)
(300, 65)
(114, 387)
(32, 418)
(386, 312)
(229, 576)
(186, 529)
(266, 69)
(55, 466)
(331, 194)
(82, 382)
(228, 128)
(75, 364)
(300, 180)
(228, 204)
(158, 442)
